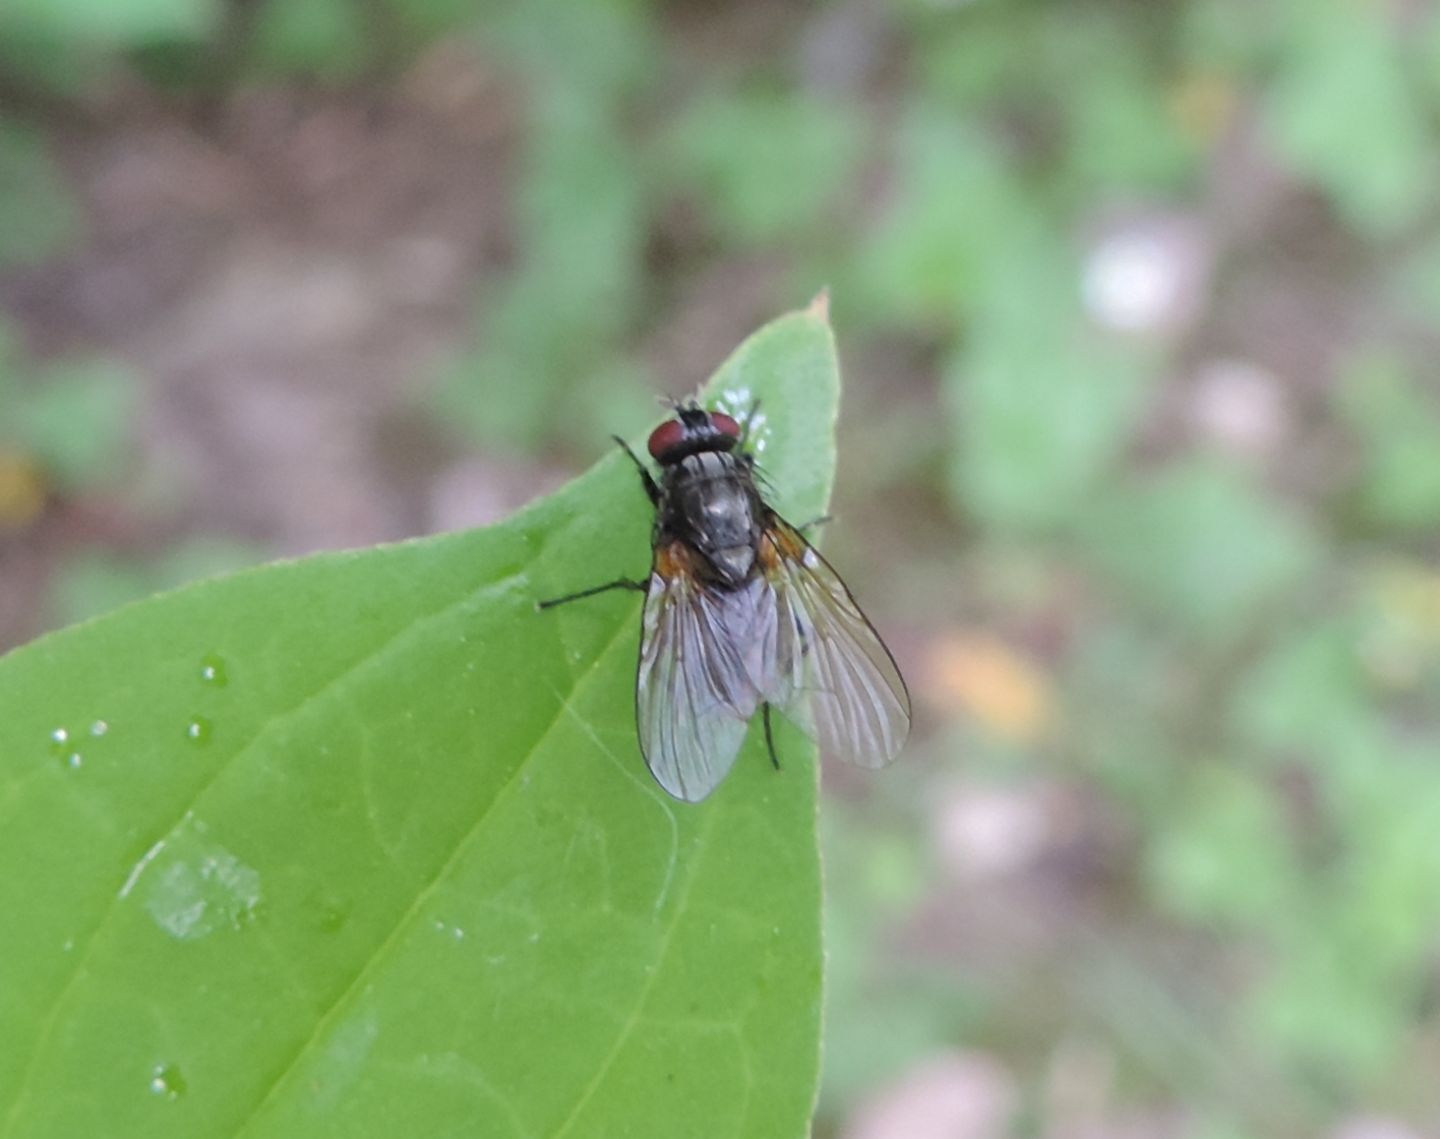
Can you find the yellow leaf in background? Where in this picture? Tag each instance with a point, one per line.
(1204, 104)
(22, 490)
(1401, 638)
(982, 675)
(1409, 593)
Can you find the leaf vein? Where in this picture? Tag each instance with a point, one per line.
(422, 896)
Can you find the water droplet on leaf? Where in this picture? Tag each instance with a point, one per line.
(168, 1081)
(213, 671)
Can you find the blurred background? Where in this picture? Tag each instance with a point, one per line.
(1139, 306)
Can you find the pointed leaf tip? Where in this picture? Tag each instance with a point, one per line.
(820, 306)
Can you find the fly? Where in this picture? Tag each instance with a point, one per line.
(742, 615)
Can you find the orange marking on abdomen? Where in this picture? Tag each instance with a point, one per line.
(672, 560)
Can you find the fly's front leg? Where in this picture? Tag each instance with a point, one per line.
(652, 489)
(748, 422)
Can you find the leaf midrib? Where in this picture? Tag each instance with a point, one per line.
(426, 891)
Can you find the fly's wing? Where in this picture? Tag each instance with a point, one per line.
(826, 667)
(693, 694)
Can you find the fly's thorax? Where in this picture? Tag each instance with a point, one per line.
(706, 466)
(710, 503)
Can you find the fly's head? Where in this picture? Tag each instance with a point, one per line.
(691, 431)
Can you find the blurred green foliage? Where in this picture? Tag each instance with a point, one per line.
(71, 416)
(41, 216)
(730, 150)
(102, 24)
(559, 320)
(1251, 649)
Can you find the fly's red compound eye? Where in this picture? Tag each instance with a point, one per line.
(666, 437)
(724, 424)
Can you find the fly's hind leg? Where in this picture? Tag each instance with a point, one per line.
(621, 583)
(769, 735)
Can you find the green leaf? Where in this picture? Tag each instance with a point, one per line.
(117, 23)
(581, 232)
(1397, 422)
(767, 165)
(958, 210)
(1221, 853)
(1046, 403)
(41, 215)
(1199, 546)
(363, 845)
(1124, 138)
(1309, 694)
(310, 37)
(76, 418)
(1342, 113)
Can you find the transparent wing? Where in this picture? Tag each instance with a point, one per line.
(693, 694)
(825, 666)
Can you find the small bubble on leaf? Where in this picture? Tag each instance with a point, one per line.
(167, 1081)
(198, 730)
(213, 670)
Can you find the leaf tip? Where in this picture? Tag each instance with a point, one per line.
(820, 306)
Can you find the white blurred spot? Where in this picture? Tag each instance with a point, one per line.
(984, 832)
(957, 1095)
(1375, 1127)
(1145, 276)
(1241, 406)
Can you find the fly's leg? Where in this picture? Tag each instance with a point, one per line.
(769, 735)
(749, 419)
(621, 583)
(652, 489)
(820, 521)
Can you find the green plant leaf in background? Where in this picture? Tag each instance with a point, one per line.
(309, 37)
(1198, 546)
(956, 213)
(1046, 403)
(76, 417)
(363, 845)
(767, 165)
(1398, 426)
(1341, 112)
(41, 215)
(114, 23)
(557, 318)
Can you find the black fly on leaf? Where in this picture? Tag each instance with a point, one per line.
(742, 615)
